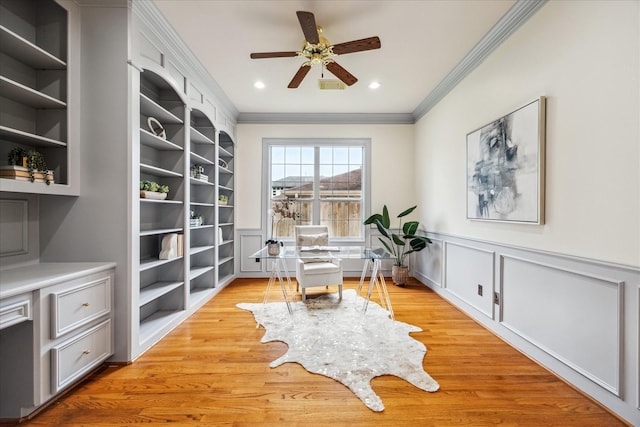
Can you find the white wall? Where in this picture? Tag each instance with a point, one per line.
(584, 57)
(392, 155)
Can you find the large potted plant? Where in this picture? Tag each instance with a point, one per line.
(399, 245)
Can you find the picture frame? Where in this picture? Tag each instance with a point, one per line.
(506, 167)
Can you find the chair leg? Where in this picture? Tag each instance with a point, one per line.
(304, 295)
(340, 291)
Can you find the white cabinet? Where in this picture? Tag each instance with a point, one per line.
(73, 358)
(56, 329)
(133, 71)
(34, 93)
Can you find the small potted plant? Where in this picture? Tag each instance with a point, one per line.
(27, 164)
(153, 190)
(223, 199)
(18, 157)
(273, 247)
(399, 245)
(282, 209)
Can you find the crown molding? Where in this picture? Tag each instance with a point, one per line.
(155, 21)
(519, 13)
(326, 118)
(148, 12)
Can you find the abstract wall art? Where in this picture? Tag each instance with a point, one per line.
(505, 167)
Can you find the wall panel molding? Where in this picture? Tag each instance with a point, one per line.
(474, 284)
(572, 315)
(14, 225)
(577, 317)
(428, 264)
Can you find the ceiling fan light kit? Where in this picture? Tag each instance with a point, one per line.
(317, 50)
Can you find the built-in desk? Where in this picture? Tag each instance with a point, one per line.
(55, 328)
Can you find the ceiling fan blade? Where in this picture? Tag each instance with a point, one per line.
(273, 55)
(297, 79)
(341, 73)
(309, 28)
(357, 45)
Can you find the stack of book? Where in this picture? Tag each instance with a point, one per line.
(22, 174)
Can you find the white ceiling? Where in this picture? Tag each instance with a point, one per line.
(422, 41)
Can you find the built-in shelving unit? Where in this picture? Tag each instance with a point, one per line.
(202, 135)
(33, 90)
(180, 146)
(161, 291)
(225, 212)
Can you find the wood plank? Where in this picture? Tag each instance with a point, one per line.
(213, 370)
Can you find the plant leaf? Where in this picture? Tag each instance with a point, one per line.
(382, 230)
(418, 244)
(373, 219)
(386, 222)
(410, 228)
(385, 245)
(407, 212)
(397, 240)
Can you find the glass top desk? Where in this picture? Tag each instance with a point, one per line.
(372, 256)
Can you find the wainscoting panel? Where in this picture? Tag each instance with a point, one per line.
(14, 225)
(469, 275)
(429, 262)
(19, 232)
(577, 317)
(250, 242)
(571, 315)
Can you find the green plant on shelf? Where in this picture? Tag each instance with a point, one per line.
(17, 157)
(152, 186)
(31, 159)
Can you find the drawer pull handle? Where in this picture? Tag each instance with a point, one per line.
(86, 352)
(86, 304)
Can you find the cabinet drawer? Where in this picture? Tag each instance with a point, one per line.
(15, 310)
(79, 305)
(72, 359)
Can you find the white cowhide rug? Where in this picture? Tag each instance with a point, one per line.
(333, 338)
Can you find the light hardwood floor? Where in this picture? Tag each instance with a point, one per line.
(213, 370)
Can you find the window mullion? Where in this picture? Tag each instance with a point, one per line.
(316, 186)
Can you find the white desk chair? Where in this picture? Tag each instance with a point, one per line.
(314, 271)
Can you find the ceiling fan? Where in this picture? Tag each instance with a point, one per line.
(317, 50)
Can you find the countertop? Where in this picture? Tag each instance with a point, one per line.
(27, 278)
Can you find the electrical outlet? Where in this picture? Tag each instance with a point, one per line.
(480, 290)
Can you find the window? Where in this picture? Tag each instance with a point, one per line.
(317, 182)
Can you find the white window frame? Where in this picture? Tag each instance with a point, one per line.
(365, 143)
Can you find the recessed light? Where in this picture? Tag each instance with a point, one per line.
(374, 85)
(258, 85)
